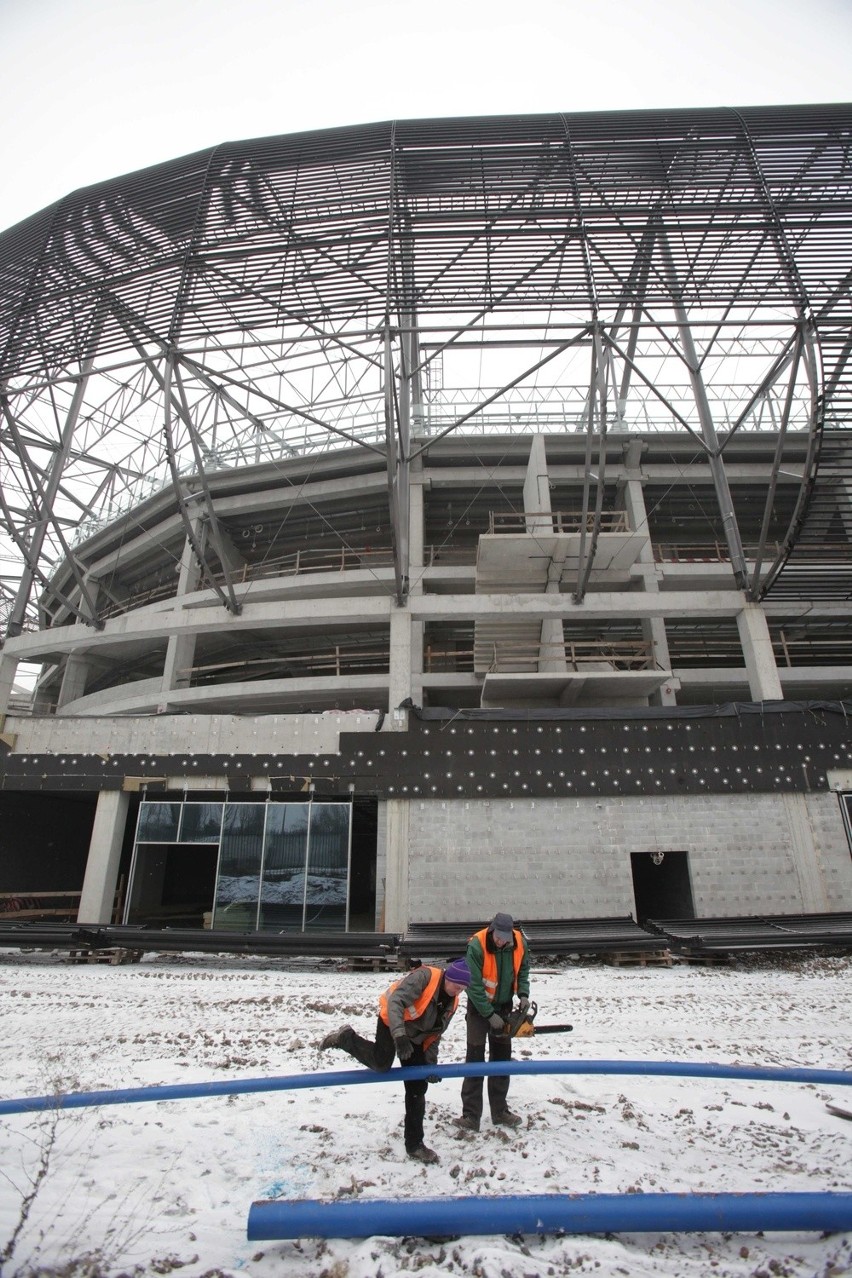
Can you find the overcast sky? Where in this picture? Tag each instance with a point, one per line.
(94, 88)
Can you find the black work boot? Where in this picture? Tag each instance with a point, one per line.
(336, 1038)
(505, 1118)
(423, 1154)
(466, 1124)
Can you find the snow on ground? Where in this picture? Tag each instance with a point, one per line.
(158, 1187)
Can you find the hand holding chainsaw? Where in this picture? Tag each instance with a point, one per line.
(521, 1022)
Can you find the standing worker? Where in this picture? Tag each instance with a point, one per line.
(413, 1014)
(499, 962)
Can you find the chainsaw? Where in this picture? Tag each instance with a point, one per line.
(520, 1024)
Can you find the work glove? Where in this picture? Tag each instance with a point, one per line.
(404, 1047)
(497, 1023)
(434, 1078)
(523, 1003)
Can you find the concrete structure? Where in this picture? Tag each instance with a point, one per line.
(526, 547)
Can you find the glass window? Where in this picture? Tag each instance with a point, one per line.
(283, 891)
(158, 823)
(328, 867)
(201, 822)
(282, 867)
(240, 862)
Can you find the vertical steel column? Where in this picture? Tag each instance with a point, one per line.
(705, 417)
(397, 401)
(169, 402)
(597, 403)
(44, 514)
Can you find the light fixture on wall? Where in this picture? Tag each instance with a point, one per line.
(657, 857)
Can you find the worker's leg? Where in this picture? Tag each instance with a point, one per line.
(471, 1092)
(415, 1103)
(378, 1055)
(499, 1049)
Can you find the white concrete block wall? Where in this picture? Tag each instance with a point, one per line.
(555, 858)
(381, 869)
(197, 734)
(833, 849)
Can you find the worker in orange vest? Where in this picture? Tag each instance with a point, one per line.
(413, 1014)
(499, 961)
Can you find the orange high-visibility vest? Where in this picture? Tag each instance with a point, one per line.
(415, 1010)
(489, 962)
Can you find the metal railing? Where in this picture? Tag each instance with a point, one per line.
(332, 662)
(579, 655)
(561, 521)
(705, 552)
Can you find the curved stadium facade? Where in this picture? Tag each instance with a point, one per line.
(427, 518)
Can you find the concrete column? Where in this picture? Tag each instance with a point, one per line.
(538, 510)
(74, 677)
(763, 679)
(805, 855)
(101, 877)
(396, 827)
(633, 498)
(415, 534)
(406, 667)
(180, 649)
(180, 654)
(8, 670)
(654, 629)
(537, 489)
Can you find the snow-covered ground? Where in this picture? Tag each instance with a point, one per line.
(151, 1188)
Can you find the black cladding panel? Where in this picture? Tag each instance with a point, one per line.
(726, 755)
(791, 750)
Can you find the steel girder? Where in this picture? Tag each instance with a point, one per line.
(386, 285)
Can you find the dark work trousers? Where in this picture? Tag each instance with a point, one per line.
(499, 1049)
(379, 1056)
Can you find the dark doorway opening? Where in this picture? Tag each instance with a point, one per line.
(173, 884)
(661, 886)
(44, 840)
(362, 870)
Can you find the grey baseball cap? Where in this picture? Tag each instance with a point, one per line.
(502, 927)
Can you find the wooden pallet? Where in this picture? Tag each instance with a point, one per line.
(638, 958)
(706, 958)
(113, 956)
(373, 962)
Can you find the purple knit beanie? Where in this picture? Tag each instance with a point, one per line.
(458, 972)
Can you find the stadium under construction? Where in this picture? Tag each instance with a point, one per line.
(413, 520)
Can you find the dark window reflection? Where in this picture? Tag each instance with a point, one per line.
(158, 823)
(283, 890)
(240, 860)
(201, 823)
(328, 867)
(282, 867)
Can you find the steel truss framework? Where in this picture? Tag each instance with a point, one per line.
(387, 285)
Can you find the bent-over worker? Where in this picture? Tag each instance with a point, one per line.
(413, 1014)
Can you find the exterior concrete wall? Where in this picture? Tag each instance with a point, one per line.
(198, 733)
(381, 868)
(392, 868)
(832, 849)
(571, 858)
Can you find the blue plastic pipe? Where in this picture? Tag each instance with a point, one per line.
(550, 1214)
(354, 1077)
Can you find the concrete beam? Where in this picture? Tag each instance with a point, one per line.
(369, 692)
